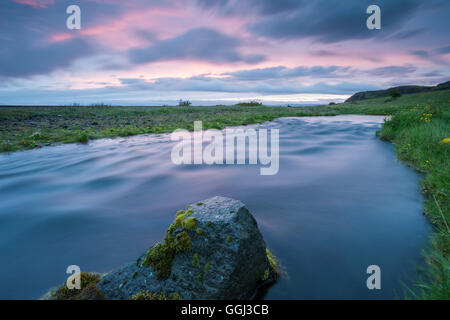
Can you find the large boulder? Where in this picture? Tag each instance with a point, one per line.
(213, 250)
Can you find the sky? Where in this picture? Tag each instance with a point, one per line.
(150, 52)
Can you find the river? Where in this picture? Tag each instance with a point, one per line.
(339, 203)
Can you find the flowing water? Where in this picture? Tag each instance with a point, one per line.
(340, 202)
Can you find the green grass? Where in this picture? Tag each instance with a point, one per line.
(24, 128)
(418, 134)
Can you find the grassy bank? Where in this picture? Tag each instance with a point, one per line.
(29, 127)
(422, 139)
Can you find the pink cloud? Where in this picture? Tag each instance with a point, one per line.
(121, 34)
(161, 22)
(35, 3)
(60, 37)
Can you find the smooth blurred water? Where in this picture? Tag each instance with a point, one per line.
(340, 202)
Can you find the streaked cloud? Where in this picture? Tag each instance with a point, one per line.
(214, 49)
(198, 44)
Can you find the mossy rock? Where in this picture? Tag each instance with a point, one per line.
(226, 260)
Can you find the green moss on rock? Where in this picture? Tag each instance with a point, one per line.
(182, 242)
(160, 256)
(195, 260)
(228, 239)
(190, 223)
(88, 290)
(179, 212)
(148, 295)
(182, 220)
(273, 262)
(265, 275)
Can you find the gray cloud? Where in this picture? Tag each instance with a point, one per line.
(442, 50)
(282, 72)
(201, 44)
(209, 84)
(406, 34)
(432, 74)
(420, 53)
(25, 49)
(434, 55)
(392, 71)
(26, 60)
(333, 21)
(239, 7)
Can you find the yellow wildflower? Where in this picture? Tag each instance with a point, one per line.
(446, 140)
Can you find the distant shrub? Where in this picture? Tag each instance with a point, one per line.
(332, 103)
(100, 105)
(394, 94)
(184, 103)
(252, 103)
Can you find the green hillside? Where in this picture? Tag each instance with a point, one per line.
(397, 91)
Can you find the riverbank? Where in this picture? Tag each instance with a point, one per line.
(24, 128)
(422, 139)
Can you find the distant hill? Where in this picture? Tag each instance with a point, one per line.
(402, 90)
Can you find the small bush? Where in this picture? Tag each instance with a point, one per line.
(395, 94)
(184, 103)
(252, 103)
(100, 105)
